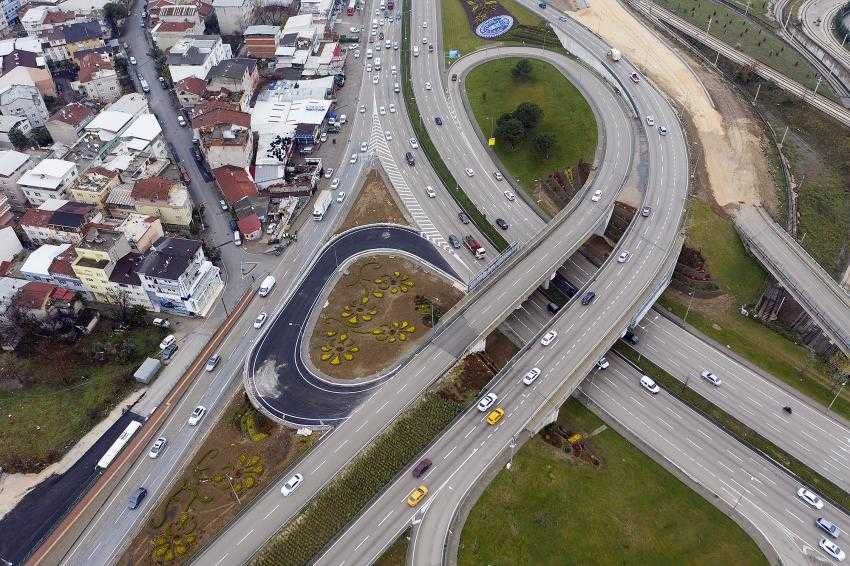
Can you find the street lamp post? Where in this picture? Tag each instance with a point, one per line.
(690, 302)
(837, 393)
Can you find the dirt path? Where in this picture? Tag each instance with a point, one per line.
(734, 159)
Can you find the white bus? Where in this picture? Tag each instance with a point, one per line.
(119, 444)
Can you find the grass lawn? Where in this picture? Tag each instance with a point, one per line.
(492, 91)
(458, 35)
(629, 510)
(396, 554)
(49, 417)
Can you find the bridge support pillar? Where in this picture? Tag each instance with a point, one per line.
(538, 423)
(478, 346)
(548, 281)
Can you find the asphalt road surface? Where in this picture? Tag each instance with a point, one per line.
(816, 19)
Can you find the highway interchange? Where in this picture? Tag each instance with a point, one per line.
(622, 291)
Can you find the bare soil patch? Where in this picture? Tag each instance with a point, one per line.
(375, 203)
(472, 373)
(242, 455)
(376, 313)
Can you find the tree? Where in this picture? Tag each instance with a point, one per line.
(522, 70)
(510, 131)
(41, 136)
(113, 12)
(19, 140)
(543, 144)
(529, 114)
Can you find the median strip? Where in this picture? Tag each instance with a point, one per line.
(738, 430)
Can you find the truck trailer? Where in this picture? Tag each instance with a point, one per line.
(477, 249)
(323, 202)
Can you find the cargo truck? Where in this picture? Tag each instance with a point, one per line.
(323, 202)
(477, 249)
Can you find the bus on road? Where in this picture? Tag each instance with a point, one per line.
(118, 445)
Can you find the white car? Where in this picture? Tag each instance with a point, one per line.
(158, 447)
(810, 497)
(469, 172)
(548, 338)
(382, 111)
(357, 54)
(353, 158)
(132, 60)
(212, 363)
(662, 130)
(531, 376)
(650, 121)
(498, 175)
(291, 485)
(413, 143)
(340, 196)
(363, 146)
(424, 41)
(427, 85)
(832, 549)
(362, 108)
(368, 67)
(222, 204)
(323, 137)
(487, 401)
(711, 378)
(603, 363)
(429, 190)
(624, 257)
(388, 135)
(375, 79)
(329, 172)
(597, 196)
(181, 121)
(424, 25)
(167, 341)
(395, 45)
(649, 384)
(197, 415)
(509, 195)
(261, 318)
(335, 183)
(271, 228)
(392, 108)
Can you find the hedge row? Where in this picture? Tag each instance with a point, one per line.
(416, 120)
(341, 502)
(738, 430)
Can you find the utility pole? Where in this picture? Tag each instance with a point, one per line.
(708, 27)
(782, 141)
(716, 58)
(758, 89)
(818, 83)
(837, 393)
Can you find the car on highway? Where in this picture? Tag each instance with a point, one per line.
(494, 416)
(135, 499)
(624, 257)
(213, 362)
(329, 172)
(157, 447)
(438, 120)
(340, 196)
(548, 338)
(409, 158)
(509, 195)
(649, 384)
(417, 495)
(291, 485)
(810, 497)
(832, 549)
(464, 219)
(603, 363)
(368, 67)
(382, 110)
(364, 146)
(335, 183)
(469, 172)
(362, 108)
(392, 108)
(388, 135)
(454, 241)
(650, 121)
(353, 158)
(396, 88)
(167, 341)
(413, 143)
(395, 45)
(376, 79)
(711, 378)
(597, 196)
(645, 211)
(588, 298)
(261, 318)
(423, 466)
(357, 54)
(132, 60)
(635, 78)
(427, 85)
(501, 223)
(222, 204)
(828, 527)
(531, 376)
(197, 415)
(562, 18)
(181, 121)
(662, 130)
(487, 401)
(429, 190)
(498, 176)
(424, 41)
(424, 25)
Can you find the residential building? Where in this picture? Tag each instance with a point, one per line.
(24, 62)
(167, 33)
(225, 137)
(317, 9)
(97, 78)
(178, 10)
(13, 164)
(119, 201)
(9, 14)
(195, 55)
(51, 263)
(261, 41)
(67, 124)
(48, 180)
(40, 19)
(141, 231)
(328, 61)
(235, 183)
(43, 300)
(234, 15)
(11, 124)
(58, 221)
(5, 212)
(108, 124)
(125, 286)
(234, 75)
(96, 256)
(10, 245)
(63, 42)
(26, 101)
(93, 185)
(164, 198)
(190, 91)
(178, 274)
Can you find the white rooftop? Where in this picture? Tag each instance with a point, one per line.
(23, 43)
(301, 22)
(145, 127)
(109, 121)
(53, 204)
(134, 103)
(271, 114)
(261, 30)
(11, 161)
(34, 15)
(47, 174)
(39, 261)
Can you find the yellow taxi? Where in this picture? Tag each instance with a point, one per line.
(417, 495)
(495, 415)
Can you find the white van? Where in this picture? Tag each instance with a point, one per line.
(377, 63)
(267, 285)
(237, 238)
(416, 51)
(343, 119)
(369, 53)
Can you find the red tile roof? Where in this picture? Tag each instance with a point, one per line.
(192, 85)
(36, 217)
(63, 294)
(34, 295)
(235, 183)
(5, 268)
(249, 225)
(152, 188)
(58, 17)
(220, 116)
(62, 263)
(73, 114)
(91, 63)
(174, 26)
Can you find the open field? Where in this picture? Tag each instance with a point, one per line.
(492, 91)
(551, 508)
(66, 393)
(457, 34)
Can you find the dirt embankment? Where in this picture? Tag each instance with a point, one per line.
(730, 135)
(375, 203)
